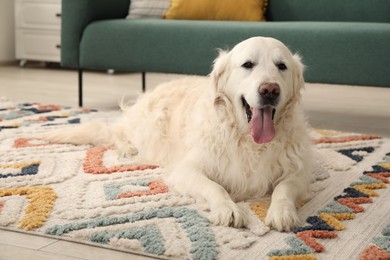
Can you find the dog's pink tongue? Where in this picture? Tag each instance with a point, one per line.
(261, 126)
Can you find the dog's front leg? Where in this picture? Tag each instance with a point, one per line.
(282, 214)
(188, 179)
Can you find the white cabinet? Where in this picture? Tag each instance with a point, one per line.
(38, 30)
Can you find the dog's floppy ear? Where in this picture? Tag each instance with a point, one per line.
(299, 81)
(218, 75)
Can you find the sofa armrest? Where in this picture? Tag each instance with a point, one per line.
(76, 15)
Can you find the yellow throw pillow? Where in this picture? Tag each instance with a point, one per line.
(238, 10)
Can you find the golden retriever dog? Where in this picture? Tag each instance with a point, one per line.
(236, 135)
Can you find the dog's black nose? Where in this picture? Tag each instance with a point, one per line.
(269, 93)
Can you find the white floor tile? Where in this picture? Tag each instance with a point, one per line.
(8, 252)
(25, 241)
(89, 252)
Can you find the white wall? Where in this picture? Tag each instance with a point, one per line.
(7, 31)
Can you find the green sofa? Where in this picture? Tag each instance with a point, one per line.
(341, 41)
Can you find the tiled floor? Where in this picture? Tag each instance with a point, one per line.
(17, 246)
(347, 108)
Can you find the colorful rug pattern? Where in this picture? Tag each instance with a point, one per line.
(89, 194)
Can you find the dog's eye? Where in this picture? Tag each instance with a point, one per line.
(248, 65)
(281, 66)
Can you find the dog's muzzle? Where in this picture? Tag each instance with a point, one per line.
(260, 118)
(248, 110)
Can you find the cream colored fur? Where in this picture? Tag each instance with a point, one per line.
(197, 128)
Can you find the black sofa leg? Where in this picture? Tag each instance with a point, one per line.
(143, 82)
(80, 87)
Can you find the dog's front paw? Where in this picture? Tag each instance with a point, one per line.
(228, 214)
(282, 216)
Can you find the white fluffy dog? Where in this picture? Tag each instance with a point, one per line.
(236, 135)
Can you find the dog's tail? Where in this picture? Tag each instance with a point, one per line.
(90, 133)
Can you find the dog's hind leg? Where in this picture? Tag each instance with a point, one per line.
(123, 145)
(90, 133)
(94, 134)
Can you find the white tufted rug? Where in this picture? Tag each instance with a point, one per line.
(89, 195)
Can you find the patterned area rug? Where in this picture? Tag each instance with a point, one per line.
(90, 195)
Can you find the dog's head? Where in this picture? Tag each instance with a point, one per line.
(260, 78)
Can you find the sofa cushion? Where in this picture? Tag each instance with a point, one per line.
(249, 10)
(329, 10)
(340, 53)
(148, 8)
